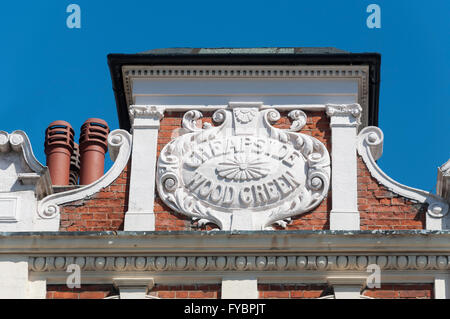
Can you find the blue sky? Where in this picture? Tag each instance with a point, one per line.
(51, 72)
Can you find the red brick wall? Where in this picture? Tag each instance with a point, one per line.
(186, 291)
(104, 211)
(272, 291)
(285, 291)
(318, 126)
(414, 291)
(85, 292)
(380, 209)
(383, 210)
(165, 218)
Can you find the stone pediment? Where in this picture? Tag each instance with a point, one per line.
(244, 174)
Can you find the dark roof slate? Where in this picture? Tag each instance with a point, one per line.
(262, 50)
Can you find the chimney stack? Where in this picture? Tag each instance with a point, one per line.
(93, 146)
(74, 165)
(59, 144)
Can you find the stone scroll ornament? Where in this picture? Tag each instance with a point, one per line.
(244, 174)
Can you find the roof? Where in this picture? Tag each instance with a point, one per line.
(267, 50)
(244, 56)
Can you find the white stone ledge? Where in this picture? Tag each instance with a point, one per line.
(99, 277)
(294, 257)
(255, 242)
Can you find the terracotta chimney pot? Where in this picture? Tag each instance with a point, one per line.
(74, 165)
(93, 146)
(59, 145)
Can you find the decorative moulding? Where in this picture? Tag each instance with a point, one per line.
(119, 146)
(359, 72)
(443, 182)
(18, 141)
(370, 147)
(161, 108)
(244, 263)
(244, 174)
(146, 111)
(354, 110)
(23, 181)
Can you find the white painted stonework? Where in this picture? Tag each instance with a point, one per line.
(347, 287)
(133, 288)
(244, 174)
(27, 202)
(238, 261)
(145, 126)
(344, 122)
(442, 286)
(23, 181)
(443, 183)
(194, 86)
(243, 287)
(14, 277)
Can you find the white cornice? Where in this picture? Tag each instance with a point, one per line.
(270, 256)
(370, 147)
(119, 144)
(358, 72)
(222, 243)
(273, 256)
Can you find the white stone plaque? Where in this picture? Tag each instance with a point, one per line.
(244, 174)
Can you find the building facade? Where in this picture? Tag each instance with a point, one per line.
(238, 173)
